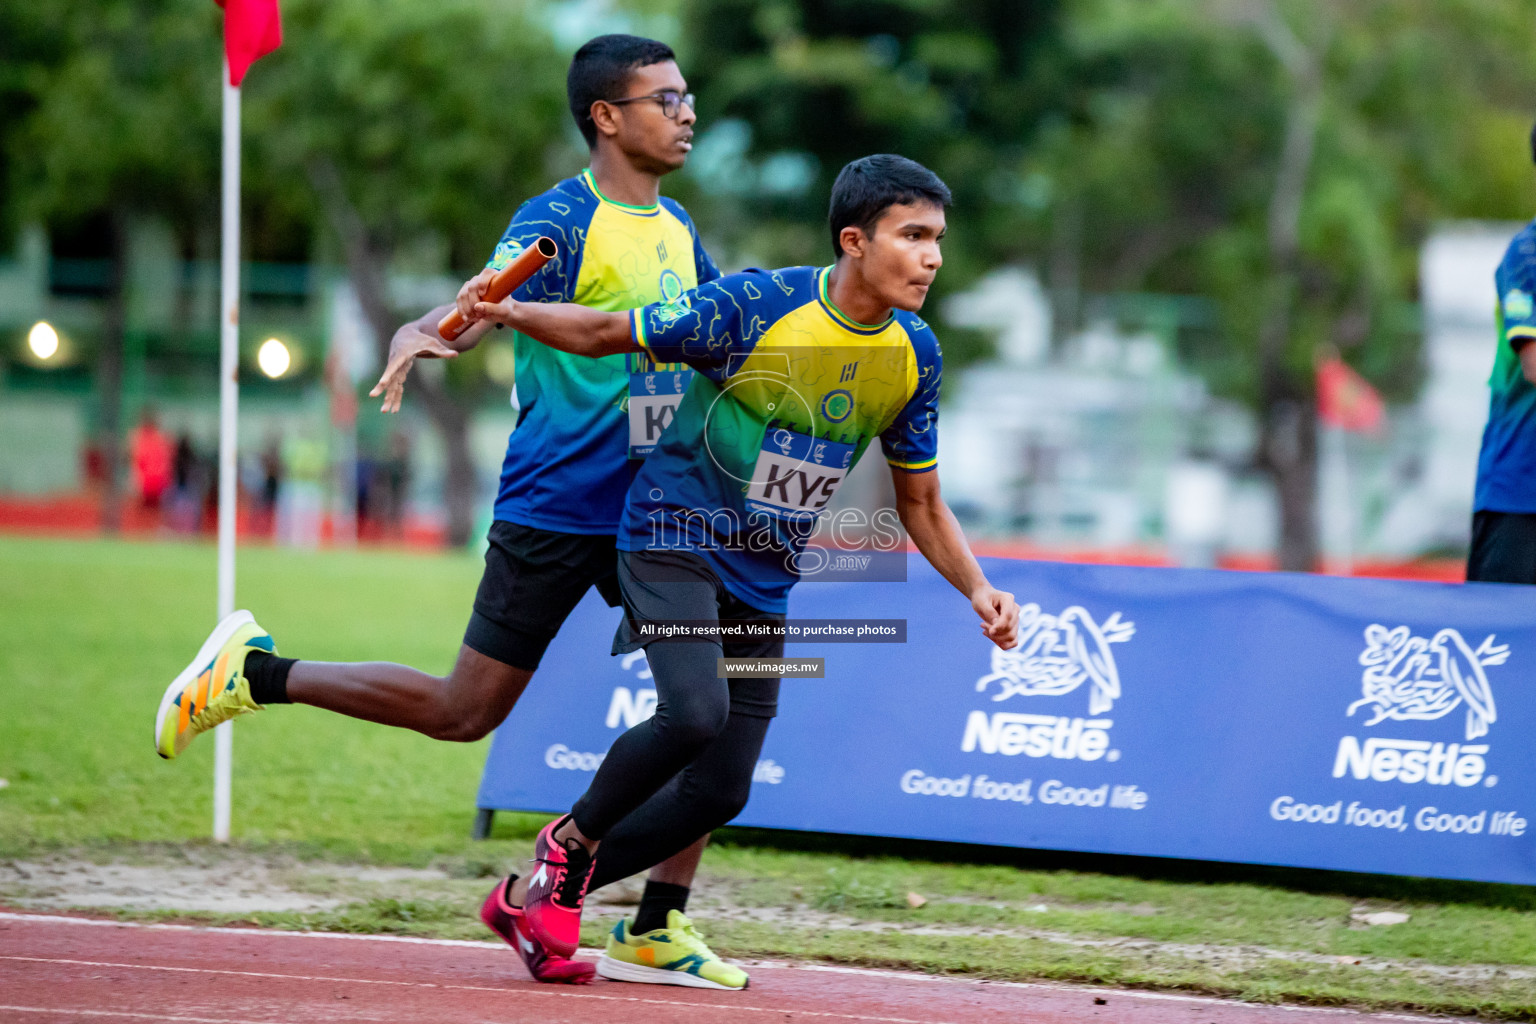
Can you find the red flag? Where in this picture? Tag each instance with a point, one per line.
(252, 29)
(1345, 399)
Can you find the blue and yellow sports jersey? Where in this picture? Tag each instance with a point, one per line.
(1506, 468)
(567, 463)
(788, 394)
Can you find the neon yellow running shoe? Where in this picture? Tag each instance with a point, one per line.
(213, 688)
(674, 955)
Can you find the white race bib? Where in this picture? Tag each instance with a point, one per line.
(796, 474)
(653, 399)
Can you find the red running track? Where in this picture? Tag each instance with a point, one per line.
(67, 969)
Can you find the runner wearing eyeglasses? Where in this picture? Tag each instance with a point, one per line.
(568, 463)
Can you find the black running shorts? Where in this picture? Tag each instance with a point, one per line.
(1503, 548)
(679, 586)
(533, 580)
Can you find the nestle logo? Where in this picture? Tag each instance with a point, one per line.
(1412, 761)
(629, 708)
(1011, 734)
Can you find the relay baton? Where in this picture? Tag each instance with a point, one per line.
(507, 280)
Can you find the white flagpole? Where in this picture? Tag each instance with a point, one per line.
(229, 399)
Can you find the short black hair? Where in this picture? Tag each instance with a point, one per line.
(600, 70)
(867, 187)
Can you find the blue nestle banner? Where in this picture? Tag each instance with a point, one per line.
(1359, 725)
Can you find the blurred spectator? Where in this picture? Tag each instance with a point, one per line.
(366, 470)
(181, 463)
(184, 513)
(300, 504)
(271, 484)
(393, 482)
(93, 464)
(205, 475)
(153, 456)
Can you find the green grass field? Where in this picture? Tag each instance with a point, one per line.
(91, 631)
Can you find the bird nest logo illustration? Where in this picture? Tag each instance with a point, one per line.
(1057, 654)
(1409, 677)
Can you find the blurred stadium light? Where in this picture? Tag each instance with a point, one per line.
(43, 340)
(273, 358)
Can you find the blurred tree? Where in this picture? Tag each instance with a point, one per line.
(411, 128)
(118, 120)
(30, 47)
(791, 90)
(1285, 157)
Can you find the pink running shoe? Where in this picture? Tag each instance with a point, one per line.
(556, 890)
(501, 917)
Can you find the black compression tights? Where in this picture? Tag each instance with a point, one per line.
(694, 802)
(680, 773)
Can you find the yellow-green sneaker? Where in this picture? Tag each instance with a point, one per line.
(674, 955)
(213, 688)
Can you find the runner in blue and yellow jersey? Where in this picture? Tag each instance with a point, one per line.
(793, 391)
(567, 466)
(798, 372)
(568, 463)
(1504, 508)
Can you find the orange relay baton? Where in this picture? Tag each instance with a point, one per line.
(507, 280)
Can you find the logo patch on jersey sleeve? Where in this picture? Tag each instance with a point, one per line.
(1517, 304)
(506, 251)
(674, 301)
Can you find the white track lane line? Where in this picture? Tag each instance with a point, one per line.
(564, 992)
(149, 926)
(769, 964)
(132, 1016)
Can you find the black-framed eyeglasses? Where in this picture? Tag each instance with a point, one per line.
(670, 99)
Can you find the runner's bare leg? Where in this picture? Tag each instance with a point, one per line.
(463, 706)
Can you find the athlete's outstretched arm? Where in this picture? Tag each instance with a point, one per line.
(564, 325)
(419, 340)
(933, 528)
